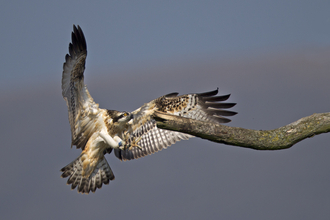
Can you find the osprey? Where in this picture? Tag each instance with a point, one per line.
(131, 135)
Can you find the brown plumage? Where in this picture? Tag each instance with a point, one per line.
(131, 134)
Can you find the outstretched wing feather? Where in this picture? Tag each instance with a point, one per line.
(202, 106)
(153, 139)
(81, 106)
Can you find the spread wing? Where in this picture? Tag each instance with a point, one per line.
(203, 106)
(82, 109)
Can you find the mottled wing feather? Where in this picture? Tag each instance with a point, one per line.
(202, 106)
(153, 139)
(81, 106)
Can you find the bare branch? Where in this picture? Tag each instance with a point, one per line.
(280, 138)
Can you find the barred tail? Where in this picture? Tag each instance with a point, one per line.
(102, 174)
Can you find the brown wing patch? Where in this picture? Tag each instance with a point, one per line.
(201, 106)
(173, 104)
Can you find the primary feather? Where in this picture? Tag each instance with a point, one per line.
(97, 131)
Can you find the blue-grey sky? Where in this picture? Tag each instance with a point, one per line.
(272, 56)
(130, 33)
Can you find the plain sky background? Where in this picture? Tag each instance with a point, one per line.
(272, 56)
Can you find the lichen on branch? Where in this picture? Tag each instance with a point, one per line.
(276, 139)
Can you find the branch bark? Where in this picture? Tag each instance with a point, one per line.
(276, 139)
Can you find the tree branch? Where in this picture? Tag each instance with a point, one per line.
(276, 139)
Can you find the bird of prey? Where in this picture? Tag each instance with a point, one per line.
(131, 135)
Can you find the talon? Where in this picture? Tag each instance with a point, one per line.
(138, 146)
(134, 143)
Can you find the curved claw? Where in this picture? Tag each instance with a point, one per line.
(134, 143)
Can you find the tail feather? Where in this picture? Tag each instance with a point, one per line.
(102, 174)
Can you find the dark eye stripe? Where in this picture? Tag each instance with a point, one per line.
(115, 119)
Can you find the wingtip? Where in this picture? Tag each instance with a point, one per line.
(75, 27)
(78, 38)
(208, 94)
